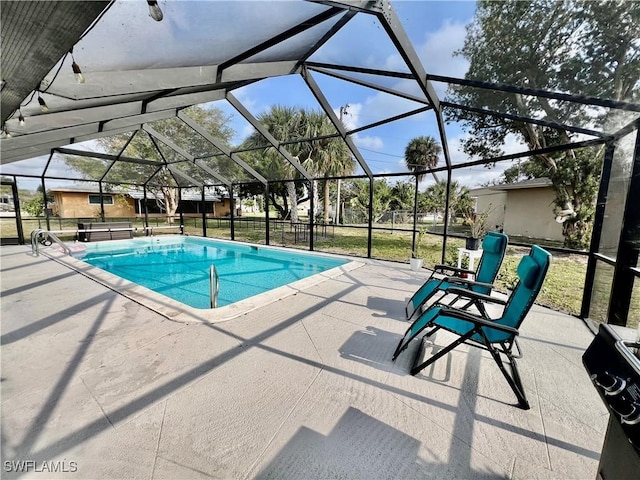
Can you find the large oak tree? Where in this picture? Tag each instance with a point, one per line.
(580, 47)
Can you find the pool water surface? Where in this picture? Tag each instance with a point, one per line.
(179, 267)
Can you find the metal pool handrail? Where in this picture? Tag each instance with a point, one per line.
(214, 285)
(35, 243)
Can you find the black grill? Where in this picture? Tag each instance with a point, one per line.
(614, 367)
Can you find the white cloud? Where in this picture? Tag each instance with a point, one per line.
(246, 131)
(437, 51)
(475, 176)
(243, 96)
(370, 142)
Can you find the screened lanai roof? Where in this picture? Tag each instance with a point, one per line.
(141, 75)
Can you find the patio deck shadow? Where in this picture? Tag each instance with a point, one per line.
(301, 388)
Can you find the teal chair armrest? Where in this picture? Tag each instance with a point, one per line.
(464, 315)
(468, 283)
(471, 295)
(455, 270)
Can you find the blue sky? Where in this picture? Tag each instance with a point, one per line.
(436, 29)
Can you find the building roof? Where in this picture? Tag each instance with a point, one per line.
(137, 194)
(525, 184)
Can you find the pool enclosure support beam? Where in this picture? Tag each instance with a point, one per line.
(101, 201)
(386, 15)
(328, 69)
(277, 39)
(266, 213)
(445, 219)
(105, 156)
(389, 120)
(146, 210)
(371, 85)
(232, 208)
(16, 209)
(185, 154)
(565, 97)
(180, 208)
(44, 202)
(596, 235)
(177, 172)
(44, 190)
(447, 160)
(312, 219)
(204, 213)
(415, 217)
(628, 247)
(520, 118)
(370, 229)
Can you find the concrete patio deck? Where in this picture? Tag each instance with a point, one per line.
(96, 384)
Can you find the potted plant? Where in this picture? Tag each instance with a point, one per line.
(478, 228)
(416, 260)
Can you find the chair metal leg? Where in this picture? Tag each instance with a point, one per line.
(523, 402)
(416, 368)
(401, 347)
(514, 379)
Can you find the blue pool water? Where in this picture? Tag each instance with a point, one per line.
(178, 267)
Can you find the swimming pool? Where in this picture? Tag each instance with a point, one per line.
(178, 267)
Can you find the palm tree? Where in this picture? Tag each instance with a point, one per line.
(326, 157)
(433, 199)
(283, 123)
(322, 157)
(422, 154)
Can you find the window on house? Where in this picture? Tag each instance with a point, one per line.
(95, 199)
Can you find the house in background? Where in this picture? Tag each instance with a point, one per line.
(524, 209)
(85, 203)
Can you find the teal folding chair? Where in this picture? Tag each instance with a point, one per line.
(498, 336)
(494, 246)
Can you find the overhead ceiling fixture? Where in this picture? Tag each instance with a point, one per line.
(20, 118)
(154, 10)
(43, 105)
(76, 68)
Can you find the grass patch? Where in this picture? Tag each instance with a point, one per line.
(563, 285)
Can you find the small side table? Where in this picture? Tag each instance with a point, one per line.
(473, 254)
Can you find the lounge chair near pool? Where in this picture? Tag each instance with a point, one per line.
(498, 336)
(494, 247)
